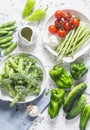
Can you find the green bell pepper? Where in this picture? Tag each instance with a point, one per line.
(56, 100)
(61, 77)
(77, 70)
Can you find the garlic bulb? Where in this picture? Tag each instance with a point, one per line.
(33, 110)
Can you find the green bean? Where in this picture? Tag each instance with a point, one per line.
(7, 24)
(5, 45)
(7, 39)
(10, 48)
(11, 28)
(3, 32)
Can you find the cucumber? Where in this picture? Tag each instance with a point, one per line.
(78, 107)
(84, 117)
(74, 94)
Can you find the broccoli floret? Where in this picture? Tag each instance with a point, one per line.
(37, 73)
(6, 84)
(33, 87)
(19, 79)
(20, 94)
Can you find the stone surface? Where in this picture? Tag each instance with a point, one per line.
(11, 10)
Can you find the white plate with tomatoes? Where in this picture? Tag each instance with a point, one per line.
(57, 27)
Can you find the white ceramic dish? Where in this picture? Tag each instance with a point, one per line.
(50, 40)
(33, 37)
(6, 97)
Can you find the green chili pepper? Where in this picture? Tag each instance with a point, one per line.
(77, 70)
(37, 15)
(56, 100)
(28, 8)
(61, 77)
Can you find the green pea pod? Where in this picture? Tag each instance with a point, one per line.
(37, 15)
(10, 48)
(28, 8)
(7, 39)
(11, 28)
(3, 32)
(11, 23)
(5, 45)
(10, 33)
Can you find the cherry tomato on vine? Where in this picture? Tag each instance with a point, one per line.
(67, 15)
(75, 22)
(61, 33)
(52, 29)
(59, 14)
(67, 26)
(58, 23)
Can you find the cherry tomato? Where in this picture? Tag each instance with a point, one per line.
(61, 33)
(52, 29)
(75, 22)
(67, 26)
(58, 23)
(59, 14)
(67, 15)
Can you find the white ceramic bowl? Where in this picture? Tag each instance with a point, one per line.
(51, 40)
(22, 40)
(6, 97)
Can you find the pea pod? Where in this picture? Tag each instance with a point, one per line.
(5, 45)
(10, 48)
(11, 28)
(7, 39)
(11, 23)
(9, 34)
(85, 116)
(37, 15)
(28, 8)
(3, 32)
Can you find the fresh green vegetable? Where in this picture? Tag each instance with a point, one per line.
(56, 100)
(73, 95)
(7, 24)
(37, 15)
(5, 45)
(77, 70)
(20, 93)
(6, 85)
(77, 109)
(85, 116)
(61, 77)
(3, 32)
(7, 39)
(11, 28)
(10, 33)
(14, 70)
(28, 8)
(10, 48)
(73, 41)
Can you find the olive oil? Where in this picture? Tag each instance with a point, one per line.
(26, 32)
